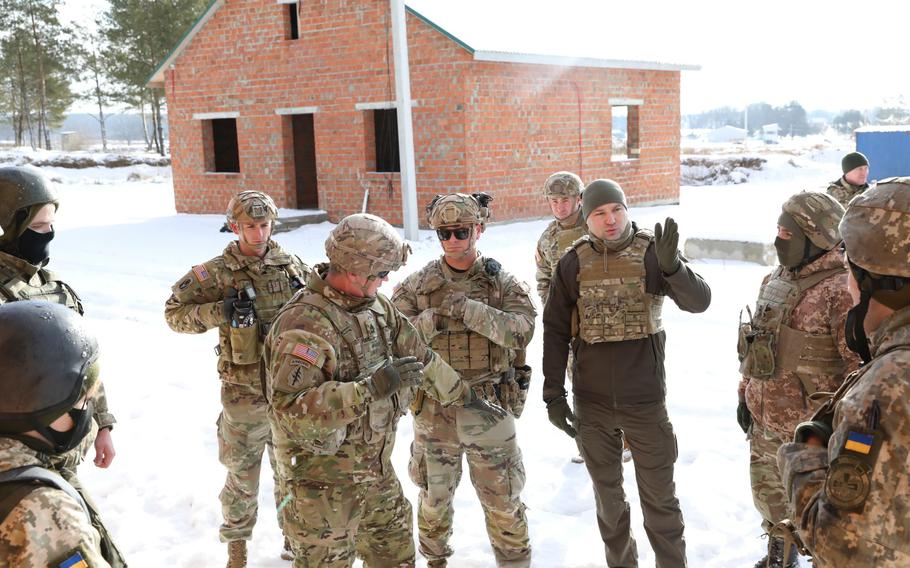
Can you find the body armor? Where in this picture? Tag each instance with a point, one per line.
(613, 304)
(476, 358)
(41, 285)
(565, 238)
(768, 344)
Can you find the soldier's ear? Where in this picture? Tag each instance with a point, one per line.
(234, 227)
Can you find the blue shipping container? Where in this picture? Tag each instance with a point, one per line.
(888, 150)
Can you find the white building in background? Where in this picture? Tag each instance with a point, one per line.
(770, 133)
(727, 134)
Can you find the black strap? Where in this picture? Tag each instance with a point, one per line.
(18, 482)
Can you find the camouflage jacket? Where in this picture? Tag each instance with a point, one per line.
(21, 280)
(553, 243)
(851, 498)
(197, 304)
(781, 402)
(47, 527)
(327, 428)
(498, 308)
(843, 191)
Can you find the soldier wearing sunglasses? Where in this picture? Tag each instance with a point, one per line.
(479, 318)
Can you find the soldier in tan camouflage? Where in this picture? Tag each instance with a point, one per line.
(50, 361)
(792, 347)
(477, 317)
(28, 204)
(846, 472)
(342, 367)
(856, 173)
(239, 292)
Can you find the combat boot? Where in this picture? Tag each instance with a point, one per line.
(775, 556)
(236, 554)
(437, 563)
(287, 553)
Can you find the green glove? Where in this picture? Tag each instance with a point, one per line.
(562, 417)
(391, 376)
(743, 416)
(491, 413)
(666, 245)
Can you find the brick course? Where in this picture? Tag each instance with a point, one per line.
(478, 126)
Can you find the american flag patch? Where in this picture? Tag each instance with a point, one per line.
(74, 561)
(306, 353)
(201, 273)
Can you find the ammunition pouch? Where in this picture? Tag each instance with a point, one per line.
(756, 352)
(246, 348)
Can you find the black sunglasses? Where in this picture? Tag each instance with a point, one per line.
(382, 274)
(460, 234)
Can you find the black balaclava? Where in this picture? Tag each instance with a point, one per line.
(798, 250)
(891, 291)
(62, 442)
(34, 247)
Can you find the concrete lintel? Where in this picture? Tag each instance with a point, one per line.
(297, 110)
(626, 102)
(719, 249)
(381, 105)
(215, 115)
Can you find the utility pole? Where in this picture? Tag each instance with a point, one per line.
(405, 129)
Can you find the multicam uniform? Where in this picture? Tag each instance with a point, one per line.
(793, 348)
(333, 440)
(498, 319)
(553, 243)
(195, 306)
(843, 191)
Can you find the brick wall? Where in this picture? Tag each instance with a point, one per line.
(477, 126)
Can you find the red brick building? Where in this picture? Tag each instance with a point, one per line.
(298, 100)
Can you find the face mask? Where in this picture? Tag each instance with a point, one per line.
(34, 247)
(790, 251)
(66, 441)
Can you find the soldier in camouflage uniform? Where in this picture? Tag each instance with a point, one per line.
(847, 470)
(342, 367)
(239, 292)
(856, 172)
(50, 361)
(563, 193)
(605, 304)
(28, 203)
(477, 317)
(792, 347)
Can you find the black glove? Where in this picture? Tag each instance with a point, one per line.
(490, 412)
(389, 378)
(666, 245)
(743, 416)
(227, 308)
(562, 416)
(805, 430)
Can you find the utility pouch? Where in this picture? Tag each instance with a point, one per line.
(417, 402)
(743, 340)
(246, 348)
(759, 360)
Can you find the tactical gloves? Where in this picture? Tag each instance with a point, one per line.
(453, 305)
(513, 392)
(227, 307)
(562, 416)
(391, 376)
(490, 412)
(666, 245)
(805, 431)
(743, 416)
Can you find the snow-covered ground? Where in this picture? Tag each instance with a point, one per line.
(121, 245)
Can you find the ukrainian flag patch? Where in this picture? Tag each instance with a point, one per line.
(859, 442)
(76, 560)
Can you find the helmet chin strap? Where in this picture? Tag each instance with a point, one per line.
(854, 331)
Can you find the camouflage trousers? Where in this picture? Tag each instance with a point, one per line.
(651, 439)
(768, 492)
(441, 437)
(243, 434)
(328, 526)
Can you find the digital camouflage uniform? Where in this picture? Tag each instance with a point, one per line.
(843, 191)
(850, 500)
(47, 526)
(480, 344)
(333, 438)
(794, 347)
(195, 306)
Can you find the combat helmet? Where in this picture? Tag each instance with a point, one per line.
(563, 184)
(459, 209)
(876, 232)
(817, 215)
(251, 205)
(20, 189)
(49, 363)
(366, 245)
